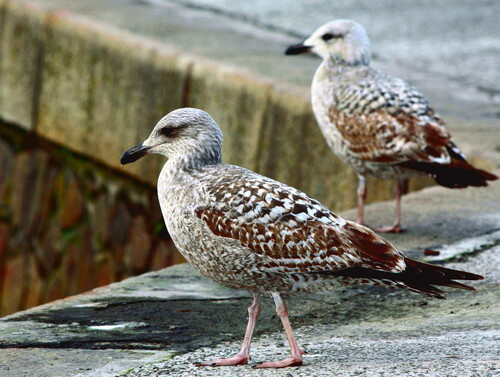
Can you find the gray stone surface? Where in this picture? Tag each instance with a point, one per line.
(373, 333)
(431, 42)
(356, 331)
(450, 63)
(159, 323)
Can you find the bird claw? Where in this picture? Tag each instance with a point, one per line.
(390, 229)
(235, 360)
(288, 362)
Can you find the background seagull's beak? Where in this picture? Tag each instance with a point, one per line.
(134, 153)
(299, 48)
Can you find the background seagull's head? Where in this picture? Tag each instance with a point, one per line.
(185, 132)
(341, 40)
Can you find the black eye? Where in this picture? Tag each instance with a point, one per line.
(328, 36)
(170, 131)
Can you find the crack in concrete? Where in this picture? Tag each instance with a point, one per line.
(237, 16)
(466, 247)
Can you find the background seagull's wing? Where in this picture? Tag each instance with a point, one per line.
(384, 119)
(388, 121)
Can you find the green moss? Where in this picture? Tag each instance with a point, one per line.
(159, 227)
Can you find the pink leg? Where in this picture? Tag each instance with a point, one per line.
(360, 219)
(243, 356)
(398, 193)
(296, 358)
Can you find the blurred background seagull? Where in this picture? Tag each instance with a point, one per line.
(379, 124)
(247, 231)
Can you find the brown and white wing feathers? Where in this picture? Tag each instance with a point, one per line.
(384, 119)
(294, 232)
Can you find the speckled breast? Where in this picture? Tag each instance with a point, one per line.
(333, 137)
(328, 117)
(222, 260)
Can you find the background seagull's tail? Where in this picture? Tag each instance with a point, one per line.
(456, 174)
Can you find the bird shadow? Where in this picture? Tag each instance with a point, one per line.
(186, 325)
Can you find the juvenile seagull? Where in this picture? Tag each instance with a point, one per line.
(246, 231)
(379, 124)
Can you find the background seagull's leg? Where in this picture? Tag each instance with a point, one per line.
(360, 218)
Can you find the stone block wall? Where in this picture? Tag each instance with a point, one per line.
(68, 225)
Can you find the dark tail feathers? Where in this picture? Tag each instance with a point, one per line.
(418, 277)
(457, 174)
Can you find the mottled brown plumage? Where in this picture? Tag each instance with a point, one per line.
(378, 124)
(247, 231)
(295, 233)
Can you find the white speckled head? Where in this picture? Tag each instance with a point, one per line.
(341, 40)
(188, 133)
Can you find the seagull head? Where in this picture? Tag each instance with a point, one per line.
(188, 133)
(340, 40)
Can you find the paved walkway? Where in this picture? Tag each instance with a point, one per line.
(430, 43)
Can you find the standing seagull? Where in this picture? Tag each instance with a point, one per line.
(379, 124)
(246, 231)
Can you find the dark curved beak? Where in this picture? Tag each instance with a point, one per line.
(299, 48)
(133, 154)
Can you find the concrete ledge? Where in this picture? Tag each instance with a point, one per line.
(160, 323)
(103, 89)
(21, 49)
(98, 89)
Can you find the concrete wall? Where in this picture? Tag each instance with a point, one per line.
(96, 91)
(99, 90)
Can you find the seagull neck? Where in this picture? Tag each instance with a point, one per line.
(337, 63)
(191, 162)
